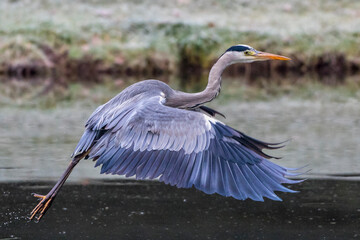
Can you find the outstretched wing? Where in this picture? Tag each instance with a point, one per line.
(184, 148)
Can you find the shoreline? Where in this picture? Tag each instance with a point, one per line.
(158, 64)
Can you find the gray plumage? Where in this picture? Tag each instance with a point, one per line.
(151, 131)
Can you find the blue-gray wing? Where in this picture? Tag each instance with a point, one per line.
(185, 148)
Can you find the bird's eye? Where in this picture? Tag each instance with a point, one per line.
(247, 52)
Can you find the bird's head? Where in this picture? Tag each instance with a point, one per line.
(244, 53)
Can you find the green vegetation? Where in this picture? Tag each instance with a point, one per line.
(150, 38)
(132, 34)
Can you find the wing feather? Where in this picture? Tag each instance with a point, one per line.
(184, 148)
(184, 182)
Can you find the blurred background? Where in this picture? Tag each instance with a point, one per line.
(59, 60)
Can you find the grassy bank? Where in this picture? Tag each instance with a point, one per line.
(156, 37)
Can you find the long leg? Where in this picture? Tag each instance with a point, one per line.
(47, 199)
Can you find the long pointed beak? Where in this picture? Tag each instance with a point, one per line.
(266, 56)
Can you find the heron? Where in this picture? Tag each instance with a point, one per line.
(152, 131)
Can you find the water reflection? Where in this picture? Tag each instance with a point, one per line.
(39, 134)
(42, 119)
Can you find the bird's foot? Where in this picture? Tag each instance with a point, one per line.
(43, 205)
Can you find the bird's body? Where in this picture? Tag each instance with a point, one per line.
(151, 131)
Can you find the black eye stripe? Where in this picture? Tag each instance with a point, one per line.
(238, 48)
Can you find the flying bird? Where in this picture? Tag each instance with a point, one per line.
(150, 130)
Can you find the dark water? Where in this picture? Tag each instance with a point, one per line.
(36, 143)
(324, 209)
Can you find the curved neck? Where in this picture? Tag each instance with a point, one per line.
(190, 100)
(214, 83)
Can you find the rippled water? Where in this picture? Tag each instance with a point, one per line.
(36, 143)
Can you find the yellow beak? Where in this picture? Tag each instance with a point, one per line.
(266, 56)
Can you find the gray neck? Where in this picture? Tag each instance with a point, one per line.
(190, 100)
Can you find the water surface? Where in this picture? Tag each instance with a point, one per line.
(324, 209)
(324, 131)
(37, 140)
